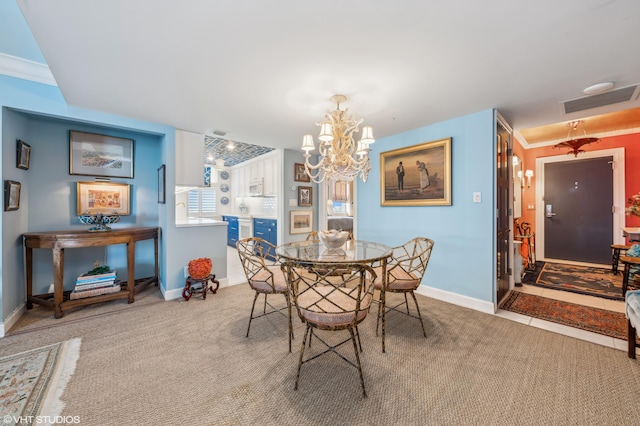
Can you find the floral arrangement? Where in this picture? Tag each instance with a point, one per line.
(200, 268)
(634, 206)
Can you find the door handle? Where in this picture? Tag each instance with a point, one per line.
(549, 211)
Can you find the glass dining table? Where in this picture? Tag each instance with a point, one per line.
(314, 252)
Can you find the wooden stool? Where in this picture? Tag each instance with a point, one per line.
(187, 292)
(628, 261)
(615, 256)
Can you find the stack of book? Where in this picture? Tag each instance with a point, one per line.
(94, 285)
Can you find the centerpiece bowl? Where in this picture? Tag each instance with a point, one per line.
(333, 239)
(99, 220)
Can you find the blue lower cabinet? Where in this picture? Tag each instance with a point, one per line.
(267, 229)
(232, 230)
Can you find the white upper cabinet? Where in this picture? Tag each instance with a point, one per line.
(264, 167)
(189, 158)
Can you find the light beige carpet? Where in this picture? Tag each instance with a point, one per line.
(179, 362)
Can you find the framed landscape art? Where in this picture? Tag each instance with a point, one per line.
(301, 221)
(104, 197)
(99, 155)
(418, 175)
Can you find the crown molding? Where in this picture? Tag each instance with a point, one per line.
(26, 70)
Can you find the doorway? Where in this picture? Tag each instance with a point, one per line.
(586, 195)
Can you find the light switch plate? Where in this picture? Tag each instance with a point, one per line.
(477, 197)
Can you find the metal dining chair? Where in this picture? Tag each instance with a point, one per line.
(405, 270)
(263, 278)
(326, 303)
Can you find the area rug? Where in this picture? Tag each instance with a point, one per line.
(599, 282)
(601, 321)
(32, 382)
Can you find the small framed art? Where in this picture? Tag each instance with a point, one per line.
(301, 221)
(104, 197)
(305, 196)
(300, 174)
(11, 195)
(23, 155)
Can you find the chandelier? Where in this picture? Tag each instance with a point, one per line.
(576, 128)
(340, 157)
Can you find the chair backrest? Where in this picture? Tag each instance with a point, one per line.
(313, 236)
(253, 253)
(330, 296)
(412, 257)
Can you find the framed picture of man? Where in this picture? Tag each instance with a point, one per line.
(418, 175)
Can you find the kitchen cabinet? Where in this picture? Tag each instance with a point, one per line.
(264, 167)
(267, 229)
(189, 158)
(232, 230)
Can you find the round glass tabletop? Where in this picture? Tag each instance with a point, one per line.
(351, 251)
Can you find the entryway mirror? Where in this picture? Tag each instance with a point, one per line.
(518, 184)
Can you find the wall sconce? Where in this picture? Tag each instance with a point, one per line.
(528, 174)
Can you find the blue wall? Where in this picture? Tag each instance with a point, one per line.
(38, 114)
(463, 258)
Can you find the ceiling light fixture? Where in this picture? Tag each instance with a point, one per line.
(340, 157)
(598, 88)
(574, 144)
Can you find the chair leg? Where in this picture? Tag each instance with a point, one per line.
(304, 342)
(286, 296)
(625, 279)
(631, 340)
(419, 314)
(406, 303)
(264, 309)
(355, 349)
(358, 336)
(251, 316)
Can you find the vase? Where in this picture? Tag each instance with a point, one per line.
(200, 268)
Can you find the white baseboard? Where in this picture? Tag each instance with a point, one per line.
(457, 299)
(12, 319)
(176, 293)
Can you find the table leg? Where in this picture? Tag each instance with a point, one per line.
(186, 291)
(625, 279)
(131, 282)
(205, 286)
(58, 281)
(383, 297)
(29, 275)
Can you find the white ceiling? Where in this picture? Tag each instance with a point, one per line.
(263, 71)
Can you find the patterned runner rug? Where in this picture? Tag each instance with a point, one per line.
(32, 382)
(601, 321)
(599, 282)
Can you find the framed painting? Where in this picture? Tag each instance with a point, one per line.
(162, 189)
(23, 155)
(105, 197)
(301, 222)
(11, 195)
(418, 175)
(305, 196)
(99, 155)
(300, 174)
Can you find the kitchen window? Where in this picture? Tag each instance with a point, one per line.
(201, 202)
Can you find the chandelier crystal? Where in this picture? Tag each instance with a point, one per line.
(341, 158)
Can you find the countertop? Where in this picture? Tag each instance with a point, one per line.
(181, 223)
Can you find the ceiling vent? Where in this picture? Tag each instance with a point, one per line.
(623, 94)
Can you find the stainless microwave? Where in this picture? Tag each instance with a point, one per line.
(255, 188)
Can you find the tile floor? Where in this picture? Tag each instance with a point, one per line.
(236, 276)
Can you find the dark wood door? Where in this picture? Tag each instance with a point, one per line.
(503, 200)
(578, 201)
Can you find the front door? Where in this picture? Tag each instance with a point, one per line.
(578, 217)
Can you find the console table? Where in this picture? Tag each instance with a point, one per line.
(57, 241)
